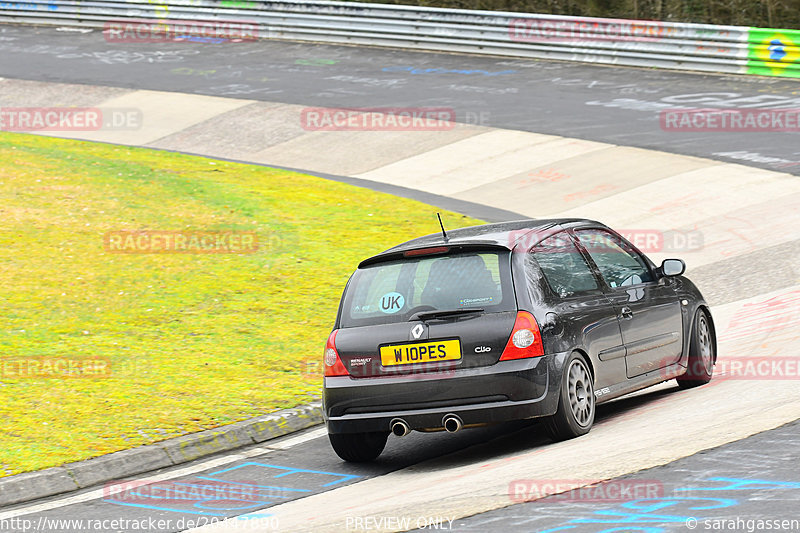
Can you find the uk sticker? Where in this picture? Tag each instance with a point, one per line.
(392, 302)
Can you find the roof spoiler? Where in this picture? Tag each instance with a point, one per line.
(431, 250)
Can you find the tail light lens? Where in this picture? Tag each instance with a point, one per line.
(331, 362)
(525, 340)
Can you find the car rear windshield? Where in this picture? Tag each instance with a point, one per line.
(391, 292)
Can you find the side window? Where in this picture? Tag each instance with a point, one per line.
(563, 266)
(619, 264)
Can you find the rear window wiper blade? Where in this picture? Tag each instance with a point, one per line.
(424, 315)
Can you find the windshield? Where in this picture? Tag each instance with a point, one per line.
(395, 291)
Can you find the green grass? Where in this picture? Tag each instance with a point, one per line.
(194, 340)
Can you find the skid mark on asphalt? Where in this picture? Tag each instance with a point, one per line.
(764, 317)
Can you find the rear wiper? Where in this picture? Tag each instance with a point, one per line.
(424, 315)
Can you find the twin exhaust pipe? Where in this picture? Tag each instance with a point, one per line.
(400, 428)
(451, 423)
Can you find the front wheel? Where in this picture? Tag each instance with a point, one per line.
(358, 447)
(701, 354)
(576, 402)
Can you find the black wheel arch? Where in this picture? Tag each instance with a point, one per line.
(688, 291)
(589, 362)
(704, 307)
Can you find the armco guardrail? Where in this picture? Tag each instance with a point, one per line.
(699, 47)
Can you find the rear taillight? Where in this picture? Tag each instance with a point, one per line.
(525, 340)
(331, 362)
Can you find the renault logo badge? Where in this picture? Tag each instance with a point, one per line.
(417, 330)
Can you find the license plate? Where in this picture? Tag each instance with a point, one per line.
(420, 352)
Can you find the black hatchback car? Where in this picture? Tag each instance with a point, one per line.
(535, 318)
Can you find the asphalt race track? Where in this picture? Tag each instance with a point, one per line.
(568, 99)
(728, 450)
(763, 486)
(725, 489)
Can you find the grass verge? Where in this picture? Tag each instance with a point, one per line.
(194, 341)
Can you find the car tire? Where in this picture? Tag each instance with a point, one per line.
(358, 447)
(576, 401)
(701, 353)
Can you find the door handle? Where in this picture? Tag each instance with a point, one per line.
(626, 312)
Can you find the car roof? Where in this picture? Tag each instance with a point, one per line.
(488, 235)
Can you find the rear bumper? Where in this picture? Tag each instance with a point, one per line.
(508, 390)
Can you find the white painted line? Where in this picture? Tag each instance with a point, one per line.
(172, 474)
(298, 439)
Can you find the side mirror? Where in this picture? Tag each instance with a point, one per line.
(673, 267)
